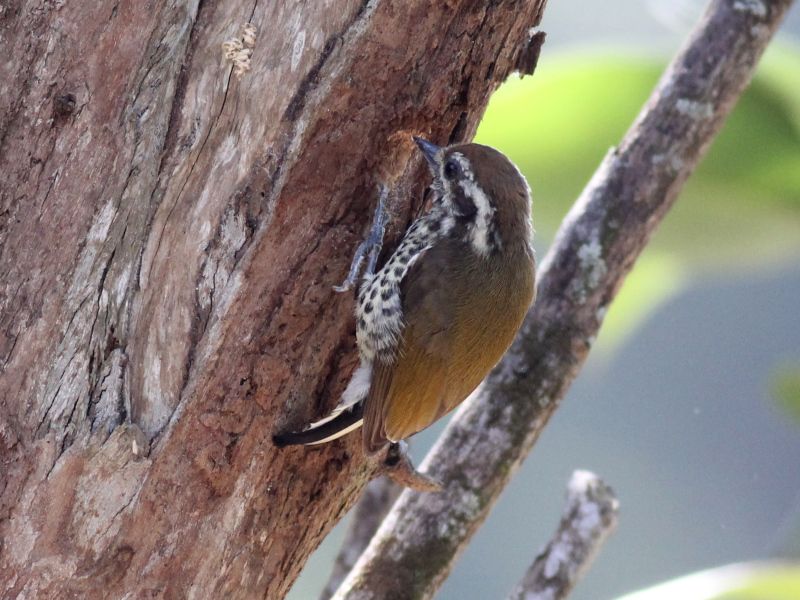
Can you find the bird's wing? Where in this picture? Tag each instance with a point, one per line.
(408, 393)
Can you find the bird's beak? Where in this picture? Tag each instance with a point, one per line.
(429, 151)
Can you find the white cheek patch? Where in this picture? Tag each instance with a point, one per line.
(481, 231)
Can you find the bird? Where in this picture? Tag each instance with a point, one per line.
(444, 308)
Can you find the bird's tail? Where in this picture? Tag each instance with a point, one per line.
(341, 421)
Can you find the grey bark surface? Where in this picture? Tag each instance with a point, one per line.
(598, 243)
(589, 517)
(173, 216)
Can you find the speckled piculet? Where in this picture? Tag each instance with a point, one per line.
(446, 305)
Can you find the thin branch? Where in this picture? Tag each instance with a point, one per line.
(372, 507)
(601, 237)
(590, 516)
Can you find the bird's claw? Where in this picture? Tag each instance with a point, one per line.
(397, 466)
(370, 247)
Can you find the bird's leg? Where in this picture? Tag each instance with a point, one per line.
(397, 466)
(377, 231)
(370, 247)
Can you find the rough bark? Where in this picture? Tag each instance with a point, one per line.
(368, 513)
(169, 236)
(601, 237)
(590, 516)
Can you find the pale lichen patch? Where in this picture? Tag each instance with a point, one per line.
(754, 7)
(559, 555)
(693, 109)
(675, 163)
(591, 258)
(514, 364)
(592, 269)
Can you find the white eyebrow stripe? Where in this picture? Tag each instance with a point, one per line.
(466, 168)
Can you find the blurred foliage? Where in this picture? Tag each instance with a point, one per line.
(771, 583)
(739, 211)
(744, 581)
(785, 387)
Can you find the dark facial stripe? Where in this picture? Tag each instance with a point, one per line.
(465, 207)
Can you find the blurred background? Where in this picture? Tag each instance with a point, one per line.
(689, 405)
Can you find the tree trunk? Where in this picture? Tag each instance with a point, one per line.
(172, 223)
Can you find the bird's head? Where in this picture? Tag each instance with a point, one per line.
(485, 194)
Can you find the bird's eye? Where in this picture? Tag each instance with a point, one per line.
(451, 168)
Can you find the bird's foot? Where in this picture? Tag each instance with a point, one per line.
(398, 467)
(371, 246)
